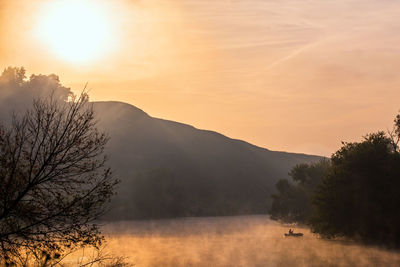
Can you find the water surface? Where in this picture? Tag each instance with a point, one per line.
(234, 241)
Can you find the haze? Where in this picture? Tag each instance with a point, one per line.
(232, 241)
(287, 75)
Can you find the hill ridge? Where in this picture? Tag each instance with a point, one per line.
(173, 169)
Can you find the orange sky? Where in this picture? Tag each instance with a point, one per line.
(287, 75)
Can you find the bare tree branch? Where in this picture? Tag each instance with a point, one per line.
(54, 180)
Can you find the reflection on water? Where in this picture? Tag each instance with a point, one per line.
(234, 241)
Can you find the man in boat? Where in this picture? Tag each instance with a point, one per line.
(290, 231)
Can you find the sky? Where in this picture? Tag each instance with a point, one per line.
(287, 75)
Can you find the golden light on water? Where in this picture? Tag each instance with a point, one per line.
(76, 31)
(232, 241)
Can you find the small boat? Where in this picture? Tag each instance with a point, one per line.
(295, 234)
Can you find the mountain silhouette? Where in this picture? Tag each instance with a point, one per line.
(167, 169)
(170, 169)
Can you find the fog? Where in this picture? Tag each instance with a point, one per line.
(234, 241)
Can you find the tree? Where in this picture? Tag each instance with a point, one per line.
(293, 202)
(54, 183)
(394, 134)
(359, 198)
(17, 91)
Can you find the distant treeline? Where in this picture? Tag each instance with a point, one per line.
(164, 193)
(355, 195)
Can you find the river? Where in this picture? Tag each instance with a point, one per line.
(234, 241)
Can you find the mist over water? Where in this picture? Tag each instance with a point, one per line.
(234, 241)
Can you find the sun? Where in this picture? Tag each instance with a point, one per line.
(76, 30)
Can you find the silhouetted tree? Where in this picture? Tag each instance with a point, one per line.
(293, 202)
(17, 91)
(54, 183)
(394, 134)
(359, 198)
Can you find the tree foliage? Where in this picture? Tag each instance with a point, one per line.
(54, 183)
(17, 91)
(359, 198)
(355, 195)
(292, 203)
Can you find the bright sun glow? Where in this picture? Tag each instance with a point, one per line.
(76, 30)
